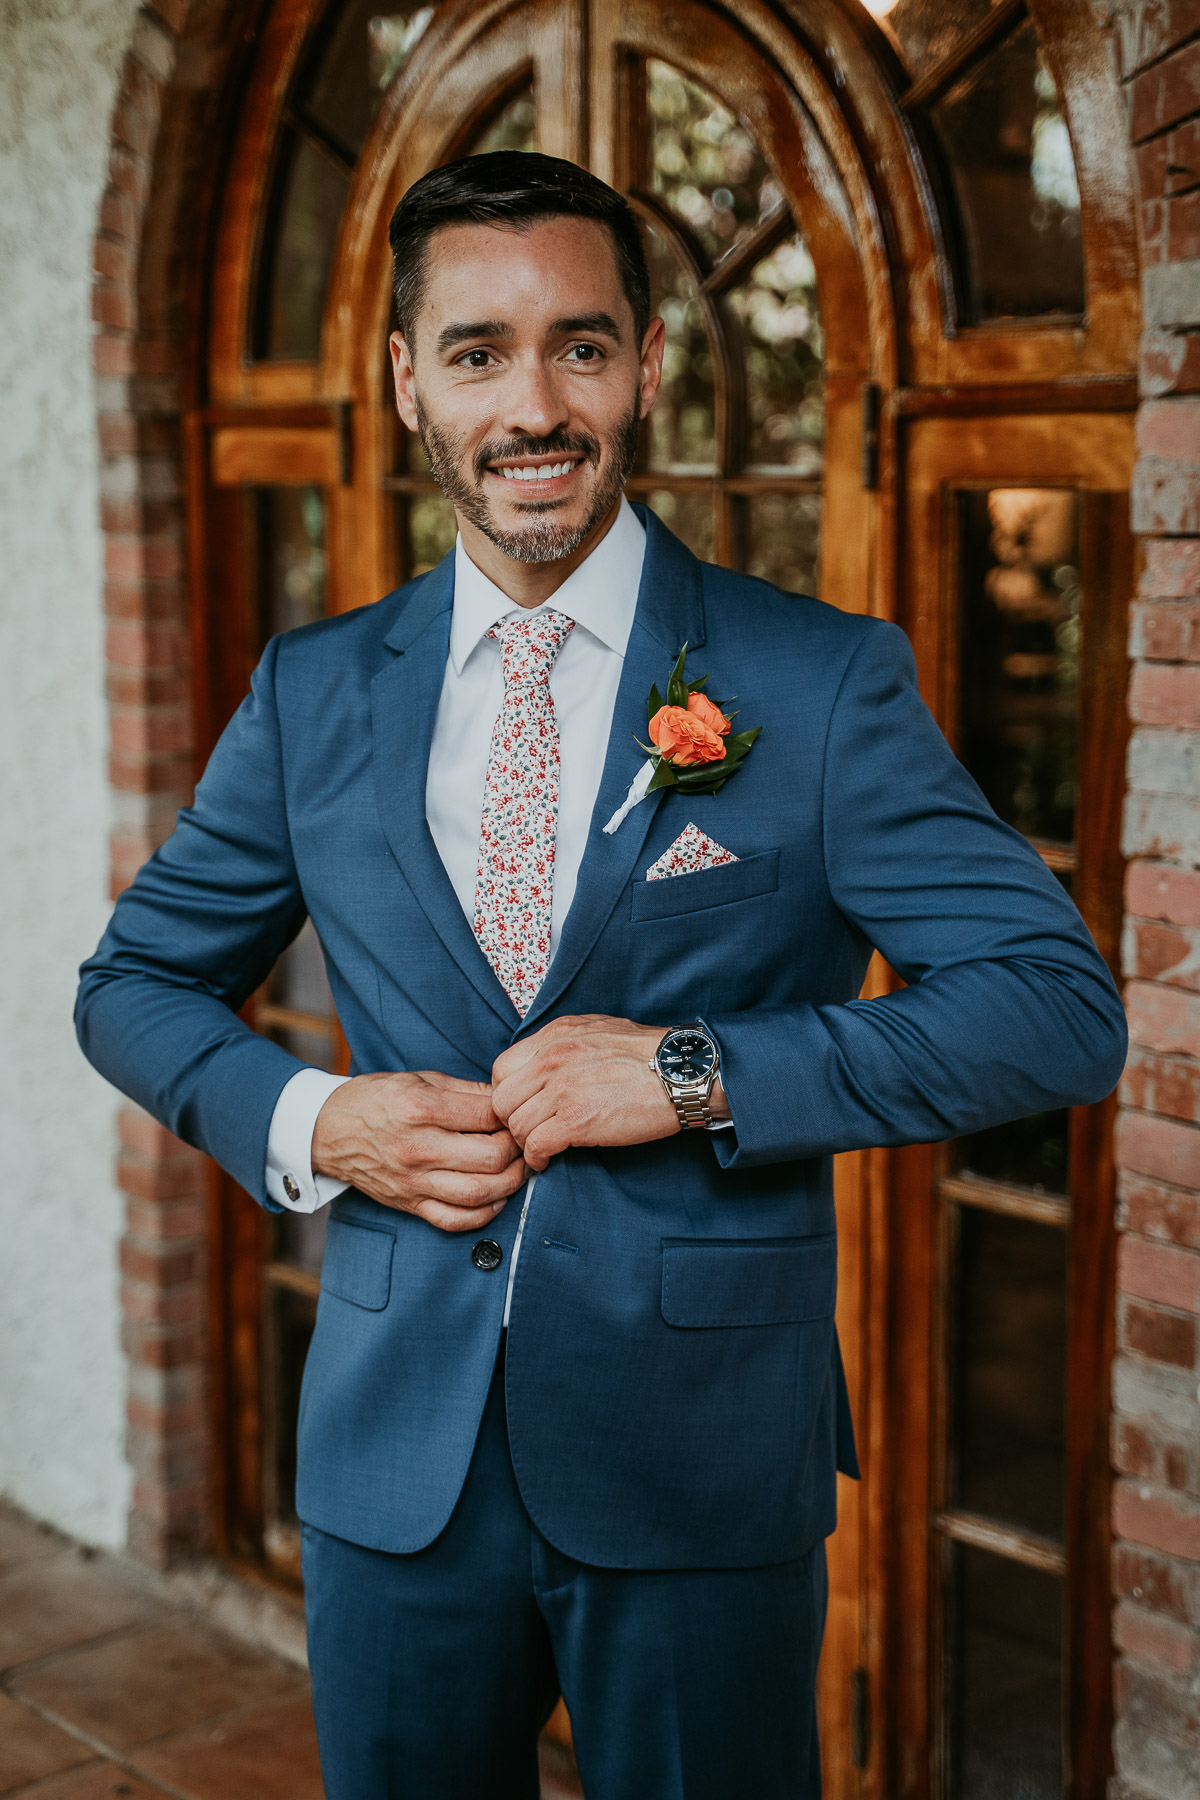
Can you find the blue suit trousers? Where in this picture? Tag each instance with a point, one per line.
(434, 1672)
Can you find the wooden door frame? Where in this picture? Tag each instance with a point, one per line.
(1092, 453)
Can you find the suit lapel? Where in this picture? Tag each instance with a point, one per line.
(670, 613)
(404, 703)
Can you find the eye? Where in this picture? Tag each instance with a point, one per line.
(585, 353)
(475, 359)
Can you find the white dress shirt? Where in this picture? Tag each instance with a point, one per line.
(601, 596)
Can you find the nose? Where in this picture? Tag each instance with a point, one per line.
(534, 403)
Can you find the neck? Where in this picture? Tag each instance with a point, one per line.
(528, 584)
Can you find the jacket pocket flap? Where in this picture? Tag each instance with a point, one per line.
(358, 1264)
(675, 894)
(766, 1281)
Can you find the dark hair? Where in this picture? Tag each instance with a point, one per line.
(512, 188)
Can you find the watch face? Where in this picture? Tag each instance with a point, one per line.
(687, 1055)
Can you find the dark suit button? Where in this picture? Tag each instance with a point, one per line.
(487, 1254)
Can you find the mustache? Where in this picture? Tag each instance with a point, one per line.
(538, 449)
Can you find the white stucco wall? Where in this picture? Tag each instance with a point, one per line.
(61, 1371)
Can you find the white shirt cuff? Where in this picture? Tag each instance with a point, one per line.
(290, 1178)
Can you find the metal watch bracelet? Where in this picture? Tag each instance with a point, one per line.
(693, 1109)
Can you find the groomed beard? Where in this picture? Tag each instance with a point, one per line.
(541, 540)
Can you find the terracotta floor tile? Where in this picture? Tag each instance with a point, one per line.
(59, 1601)
(148, 1683)
(30, 1748)
(21, 1540)
(267, 1754)
(98, 1781)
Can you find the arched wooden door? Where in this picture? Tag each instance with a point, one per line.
(895, 263)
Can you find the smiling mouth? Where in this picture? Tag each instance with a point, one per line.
(536, 474)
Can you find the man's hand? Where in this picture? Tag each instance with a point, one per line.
(427, 1144)
(585, 1080)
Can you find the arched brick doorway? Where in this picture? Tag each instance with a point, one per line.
(183, 83)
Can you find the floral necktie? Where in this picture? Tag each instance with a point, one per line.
(514, 883)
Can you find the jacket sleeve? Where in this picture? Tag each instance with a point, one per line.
(188, 943)
(1009, 1008)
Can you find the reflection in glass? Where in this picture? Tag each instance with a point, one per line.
(1010, 161)
(300, 1238)
(340, 88)
(1028, 1153)
(783, 539)
(292, 559)
(1020, 653)
(427, 531)
(930, 30)
(311, 190)
(1005, 1668)
(689, 516)
(334, 99)
(704, 163)
(1009, 1367)
(515, 128)
(680, 433)
(391, 39)
(295, 1317)
(784, 349)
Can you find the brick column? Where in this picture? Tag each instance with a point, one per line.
(1156, 1422)
(150, 224)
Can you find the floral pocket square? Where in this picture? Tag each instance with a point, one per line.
(691, 852)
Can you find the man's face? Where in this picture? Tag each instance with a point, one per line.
(525, 381)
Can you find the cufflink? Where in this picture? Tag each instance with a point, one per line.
(291, 1188)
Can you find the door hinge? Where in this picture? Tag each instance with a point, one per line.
(870, 403)
(860, 1718)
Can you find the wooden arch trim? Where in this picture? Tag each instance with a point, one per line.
(413, 134)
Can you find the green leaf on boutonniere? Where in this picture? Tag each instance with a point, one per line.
(656, 701)
(677, 692)
(666, 775)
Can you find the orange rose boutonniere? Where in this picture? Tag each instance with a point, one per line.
(692, 742)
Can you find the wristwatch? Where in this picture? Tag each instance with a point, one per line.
(686, 1062)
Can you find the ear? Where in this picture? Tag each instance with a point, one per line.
(404, 379)
(651, 363)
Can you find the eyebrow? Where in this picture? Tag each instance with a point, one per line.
(465, 331)
(601, 322)
(462, 333)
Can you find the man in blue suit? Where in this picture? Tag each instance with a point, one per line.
(574, 1401)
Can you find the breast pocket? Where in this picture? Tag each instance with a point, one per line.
(678, 894)
(358, 1264)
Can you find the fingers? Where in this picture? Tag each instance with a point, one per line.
(544, 1141)
(471, 1192)
(517, 1055)
(454, 1218)
(472, 1152)
(436, 1079)
(463, 1106)
(531, 1113)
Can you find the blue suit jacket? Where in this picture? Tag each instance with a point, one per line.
(674, 1387)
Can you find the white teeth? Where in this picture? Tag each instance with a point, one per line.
(545, 472)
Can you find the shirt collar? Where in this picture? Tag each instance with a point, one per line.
(600, 595)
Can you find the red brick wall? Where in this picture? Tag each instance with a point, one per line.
(1156, 1418)
(150, 230)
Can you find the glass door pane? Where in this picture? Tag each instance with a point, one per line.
(1005, 1199)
